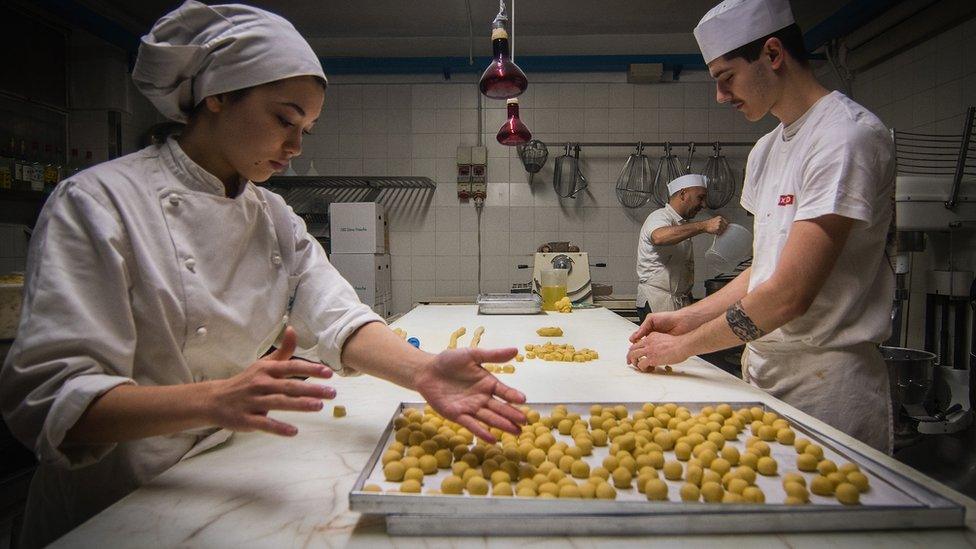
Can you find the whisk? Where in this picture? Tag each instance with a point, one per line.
(567, 178)
(721, 181)
(634, 183)
(668, 169)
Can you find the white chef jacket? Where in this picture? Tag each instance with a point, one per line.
(142, 271)
(665, 274)
(837, 158)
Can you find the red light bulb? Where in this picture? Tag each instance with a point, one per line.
(503, 79)
(513, 131)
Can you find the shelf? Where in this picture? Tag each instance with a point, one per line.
(301, 190)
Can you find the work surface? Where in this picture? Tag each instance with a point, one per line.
(261, 490)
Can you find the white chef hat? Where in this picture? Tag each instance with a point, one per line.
(197, 50)
(735, 23)
(687, 181)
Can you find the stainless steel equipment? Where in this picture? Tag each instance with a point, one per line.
(634, 184)
(669, 168)
(935, 194)
(721, 182)
(509, 304)
(894, 501)
(533, 155)
(567, 178)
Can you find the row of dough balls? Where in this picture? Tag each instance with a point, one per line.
(560, 352)
(718, 472)
(499, 368)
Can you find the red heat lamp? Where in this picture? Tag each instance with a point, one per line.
(513, 132)
(503, 79)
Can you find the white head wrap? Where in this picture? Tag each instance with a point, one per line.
(686, 181)
(197, 50)
(735, 23)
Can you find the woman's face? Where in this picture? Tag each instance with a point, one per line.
(259, 133)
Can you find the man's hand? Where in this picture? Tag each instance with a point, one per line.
(671, 322)
(242, 403)
(459, 389)
(656, 349)
(715, 225)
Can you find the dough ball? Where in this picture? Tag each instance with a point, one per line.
(720, 466)
(656, 490)
(694, 474)
(580, 469)
(372, 488)
(825, 467)
(847, 493)
(502, 489)
(682, 451)
(690, 492)
(569, 491)
(746, 473)
(737, 485)
(452, 485)
(753, 494)
(800, 445)
(767, 433)
(814, 450)
(731, 454)
(415, 473)
(410, 486)
(621, 477)
(605, 491)
(749, 459)
(790, 500)
(394, 471)
(806, 462)
(796, 490)
(794, 477)
(859, 480)
(848, 468)
(785, 436)
(822, 486)
(712, 492)
(766, 466)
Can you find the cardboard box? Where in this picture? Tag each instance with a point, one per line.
(369, 275)
(358, 228)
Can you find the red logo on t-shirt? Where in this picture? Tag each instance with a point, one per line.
(785, 199)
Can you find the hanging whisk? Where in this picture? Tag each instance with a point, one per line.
(721, 181)
(634, 184)
(668, 169)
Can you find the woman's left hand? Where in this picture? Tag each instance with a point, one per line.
(458, 388)
(656, 349)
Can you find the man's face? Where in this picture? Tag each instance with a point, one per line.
(693, 200)
(745, 86)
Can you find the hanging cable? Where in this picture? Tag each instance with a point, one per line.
(512, 39)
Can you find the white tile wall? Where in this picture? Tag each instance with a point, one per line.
(377, 125)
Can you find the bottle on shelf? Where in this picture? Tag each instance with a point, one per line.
(6, 168)
(74, 164)
(37, 168)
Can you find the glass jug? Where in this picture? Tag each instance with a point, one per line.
(553, 287)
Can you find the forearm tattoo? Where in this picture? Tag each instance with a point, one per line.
(742, 326)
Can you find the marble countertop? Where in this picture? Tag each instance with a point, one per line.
(262, 490)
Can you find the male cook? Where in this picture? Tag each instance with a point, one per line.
(665, 258)
(816, 302)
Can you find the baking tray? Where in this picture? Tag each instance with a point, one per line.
(509, 304)
(893, 502)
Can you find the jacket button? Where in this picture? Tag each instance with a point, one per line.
(201, 331)
(276, 259)
(190, 264)
(174, 200)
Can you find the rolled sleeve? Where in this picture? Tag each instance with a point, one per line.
(326, 309)
(76, 336)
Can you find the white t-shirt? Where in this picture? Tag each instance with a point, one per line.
(669, 268)
(838, 158)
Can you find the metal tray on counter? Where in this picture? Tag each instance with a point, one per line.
(509, 304)
(894, 501)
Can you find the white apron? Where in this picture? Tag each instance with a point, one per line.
(846, 388)
(665, 273)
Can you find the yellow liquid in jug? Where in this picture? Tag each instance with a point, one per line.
(550, 295)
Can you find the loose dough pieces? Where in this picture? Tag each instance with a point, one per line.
(646, 447)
